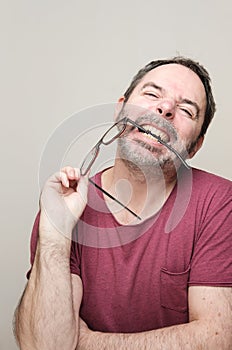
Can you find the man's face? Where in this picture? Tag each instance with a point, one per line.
(176, 95)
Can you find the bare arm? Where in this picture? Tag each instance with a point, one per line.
(46, 316)
(209, 327)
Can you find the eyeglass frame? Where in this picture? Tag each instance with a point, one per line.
(101, 141)
(124, 120)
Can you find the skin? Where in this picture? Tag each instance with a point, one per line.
(39, 320)
(179, 97)
(175, 85)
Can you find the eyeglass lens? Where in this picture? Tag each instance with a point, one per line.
(111, 134)
(89, 159)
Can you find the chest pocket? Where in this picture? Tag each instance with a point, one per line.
(174, 290)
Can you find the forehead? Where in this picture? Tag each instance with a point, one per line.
(177, 80)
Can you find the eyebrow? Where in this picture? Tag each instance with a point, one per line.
(183, 100)
(153, 85)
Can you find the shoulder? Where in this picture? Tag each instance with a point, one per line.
(204, 176)
(210, 193)
(212, 196)
(204, 181)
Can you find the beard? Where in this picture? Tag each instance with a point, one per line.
(141, 155)
(138, 154)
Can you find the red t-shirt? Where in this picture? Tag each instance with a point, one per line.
(136, 277)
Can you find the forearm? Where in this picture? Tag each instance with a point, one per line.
(191, 336)
(45, 318)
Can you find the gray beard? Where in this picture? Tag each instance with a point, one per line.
(151, 162)
(155, 158)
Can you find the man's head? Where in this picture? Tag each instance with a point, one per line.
(178, 94)
(196, 68)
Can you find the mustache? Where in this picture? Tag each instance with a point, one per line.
(148, 117)
(153, 119)
(159, 122)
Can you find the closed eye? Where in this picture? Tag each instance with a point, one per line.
(151, 90)
(151, 94)
(190, 108)
(186, 111)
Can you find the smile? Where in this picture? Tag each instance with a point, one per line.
(161, 134)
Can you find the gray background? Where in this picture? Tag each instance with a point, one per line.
(58, 57)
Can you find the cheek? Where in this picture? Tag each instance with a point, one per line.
(139, 101)
(186, 131)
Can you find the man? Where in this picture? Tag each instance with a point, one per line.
(156, 276)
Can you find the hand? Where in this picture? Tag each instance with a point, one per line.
(63, 200)
(84, 336)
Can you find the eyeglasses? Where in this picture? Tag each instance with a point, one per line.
(110, 136)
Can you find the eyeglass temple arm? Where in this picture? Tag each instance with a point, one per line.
(116, 200)
(159, 140)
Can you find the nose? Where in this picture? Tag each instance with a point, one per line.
(166, 109)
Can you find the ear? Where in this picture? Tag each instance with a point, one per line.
(118, 107)
(197, 147)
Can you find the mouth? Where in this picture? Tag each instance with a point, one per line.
(150, 129)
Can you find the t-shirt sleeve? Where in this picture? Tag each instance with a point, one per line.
(74, 255)
(212, 256)
(33, 242)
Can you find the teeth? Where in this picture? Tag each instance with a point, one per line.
(157, 132)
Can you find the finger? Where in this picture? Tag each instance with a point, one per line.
(70, 177)
(64, 179)
(82, 187)
(71, 172)
(82, 323)
(77, 173)
(74, 178)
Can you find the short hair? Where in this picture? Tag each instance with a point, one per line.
(196, 68)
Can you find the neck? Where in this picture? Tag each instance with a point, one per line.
(142, 190)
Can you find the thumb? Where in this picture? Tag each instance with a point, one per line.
(82, 187)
